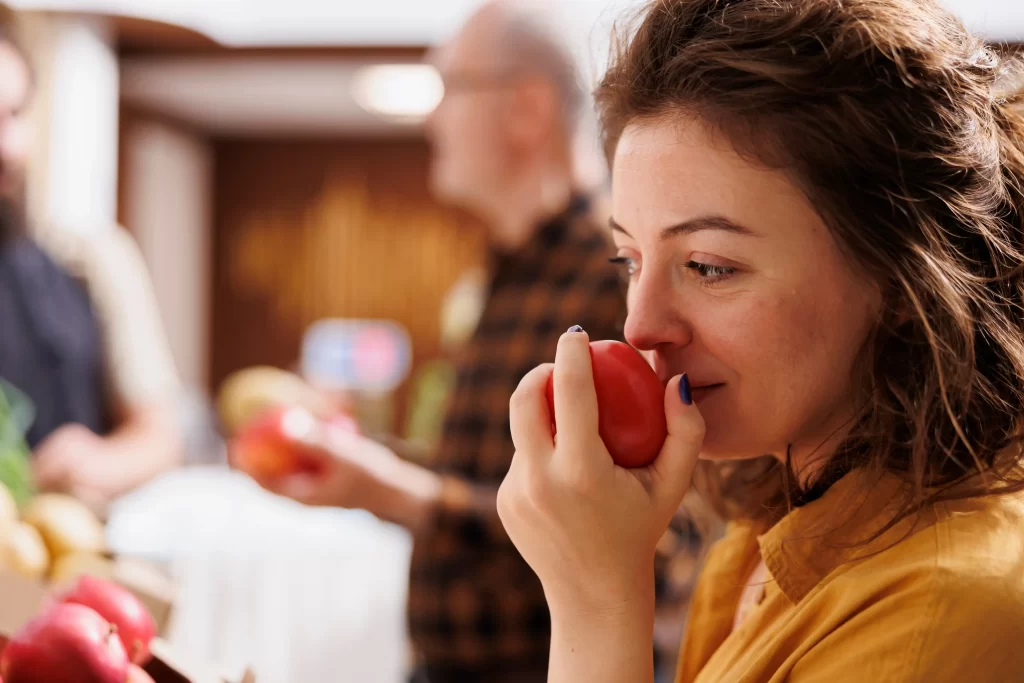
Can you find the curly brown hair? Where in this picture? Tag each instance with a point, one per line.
(888, 115)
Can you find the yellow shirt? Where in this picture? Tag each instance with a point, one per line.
(936, 599)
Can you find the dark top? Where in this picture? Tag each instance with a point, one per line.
(49, 341)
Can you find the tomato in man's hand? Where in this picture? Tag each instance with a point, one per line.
(630, 404)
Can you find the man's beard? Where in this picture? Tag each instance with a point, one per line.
(13, 223)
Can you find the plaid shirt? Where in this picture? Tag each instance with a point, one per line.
(474, 604)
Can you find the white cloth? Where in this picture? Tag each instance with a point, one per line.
(298, 594)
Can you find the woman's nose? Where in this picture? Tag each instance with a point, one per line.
(656, 317)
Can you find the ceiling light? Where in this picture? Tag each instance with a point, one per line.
(398, 91)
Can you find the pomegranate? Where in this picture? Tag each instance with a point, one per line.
(135, 625)
(67, 643)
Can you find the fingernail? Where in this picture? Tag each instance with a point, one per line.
(684, 390)
(575, 328)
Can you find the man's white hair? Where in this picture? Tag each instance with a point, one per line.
(556, 40)
(533, 38)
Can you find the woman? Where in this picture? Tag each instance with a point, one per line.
(819, 206)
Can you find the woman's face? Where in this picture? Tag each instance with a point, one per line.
(735, 280)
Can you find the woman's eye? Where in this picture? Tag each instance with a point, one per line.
(710, 274)
(625, 263)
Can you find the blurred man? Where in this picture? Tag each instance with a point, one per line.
(79, 331)
(502, 149)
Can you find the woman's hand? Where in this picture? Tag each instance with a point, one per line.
(587, 527)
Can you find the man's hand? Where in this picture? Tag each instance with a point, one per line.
(97, 469)
(74, 460)
(355, 472)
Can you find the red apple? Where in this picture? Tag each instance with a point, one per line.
(67, 643)
(270, 446)
(118, 605)
(273, 445)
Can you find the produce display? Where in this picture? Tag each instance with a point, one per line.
(8, 512)
(50, 527)
(630, 404)
(16, 414)
(80, 637)
(135, 626)
(73, 565)
(65, 643)
(94, 630)
(56, 537)
(27, 554)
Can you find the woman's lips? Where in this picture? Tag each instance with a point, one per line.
(702, 392)
(701, 388)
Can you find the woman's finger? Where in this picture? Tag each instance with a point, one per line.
(674, 466)
(575, 396)
(529, 417)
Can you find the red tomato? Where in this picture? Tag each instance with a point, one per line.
(630, 404)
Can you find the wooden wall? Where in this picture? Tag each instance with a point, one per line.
(308, 229)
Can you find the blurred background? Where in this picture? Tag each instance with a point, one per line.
(271, 170)
(269, 160)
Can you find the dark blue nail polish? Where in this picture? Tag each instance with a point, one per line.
(684, 390)
(575, 328)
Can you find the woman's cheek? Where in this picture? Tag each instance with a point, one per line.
(734, 326)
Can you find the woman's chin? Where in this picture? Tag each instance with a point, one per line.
(718, 456)
(727, 452)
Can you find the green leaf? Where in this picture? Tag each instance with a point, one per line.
(16, 415)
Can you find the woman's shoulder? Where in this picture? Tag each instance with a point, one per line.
(958, 587)
(967, 562)
(944, 604)
(980, 544)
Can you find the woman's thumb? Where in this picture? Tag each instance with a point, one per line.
(678, 457)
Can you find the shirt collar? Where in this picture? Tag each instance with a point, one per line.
(549, 234)
(812, 541)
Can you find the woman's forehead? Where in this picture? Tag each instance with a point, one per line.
(671, 173)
